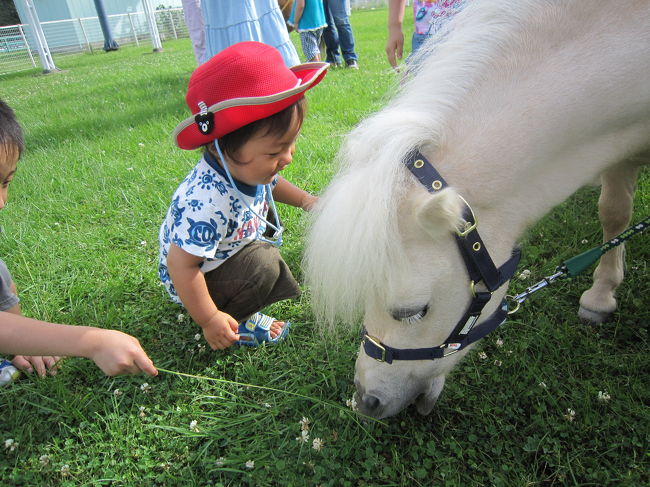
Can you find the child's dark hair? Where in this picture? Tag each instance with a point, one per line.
(276, 124)
(11, 135)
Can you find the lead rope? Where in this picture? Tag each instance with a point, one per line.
(575, 265)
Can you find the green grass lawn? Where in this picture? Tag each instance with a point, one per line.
(80, 237)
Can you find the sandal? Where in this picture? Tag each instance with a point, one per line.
(257, 330)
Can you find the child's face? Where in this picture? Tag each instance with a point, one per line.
(8, 159)
(260, 159)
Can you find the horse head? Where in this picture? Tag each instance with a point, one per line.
(515, 127)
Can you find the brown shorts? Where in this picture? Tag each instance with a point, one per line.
(250, 280)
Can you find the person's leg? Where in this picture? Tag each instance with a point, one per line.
(309, 41)
(194, 21)
(331, 38)
(346, 39)
(250, 280)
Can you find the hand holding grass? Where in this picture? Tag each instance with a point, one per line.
(114, 352)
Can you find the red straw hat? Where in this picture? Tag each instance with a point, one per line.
(245, 82)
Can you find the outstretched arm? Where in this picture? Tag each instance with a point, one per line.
(289, 194)
(114, 352)
(395, 42)
(219, 328)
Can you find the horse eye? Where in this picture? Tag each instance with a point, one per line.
(409, 316)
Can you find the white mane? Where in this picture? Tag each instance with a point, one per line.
(348, 259)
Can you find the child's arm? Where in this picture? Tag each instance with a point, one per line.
(395, 42)
(114, 352)
(219, 328)
(300, 8)
(287, 193)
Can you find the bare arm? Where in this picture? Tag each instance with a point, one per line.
(219, 328)
(114, 352)
(395, 42)
(289, 194)
(297, 15)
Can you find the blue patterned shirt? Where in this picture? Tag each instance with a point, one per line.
(207, 218)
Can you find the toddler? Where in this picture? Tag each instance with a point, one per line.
(215, 258)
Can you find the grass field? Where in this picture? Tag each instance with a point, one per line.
(80, 237)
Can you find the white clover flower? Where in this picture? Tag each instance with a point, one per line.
(220, 461)
(542, 385)
(143, 243)
(140, 144)
(44, 460)
(352, 404)
(498, 363)
(129, 169)
(525, 274)
(193, 426)
(65, 470)
(9, 442)
(499, 343)
(603, 396)
(250, 465)
(267, 405)
(117, 392)
(304, 424)
(584, 241)
(145, 387)
(197, 337)
(482, 355)
(180, 317)
(142, 413)
(570, 415)
(317, 444)
(304, 437)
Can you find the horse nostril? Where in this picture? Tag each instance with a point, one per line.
(370, 403)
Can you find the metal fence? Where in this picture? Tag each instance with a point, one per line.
(18, 50)
(84, 34)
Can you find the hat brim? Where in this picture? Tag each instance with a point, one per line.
(228, 118)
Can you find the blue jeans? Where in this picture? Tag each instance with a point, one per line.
(338, 32)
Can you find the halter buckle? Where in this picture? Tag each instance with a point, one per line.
(450, 349)
(469, 226)
(377, 344)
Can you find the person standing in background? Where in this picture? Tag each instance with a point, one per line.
(195, 27)
(308, 18)
(429, 16)
(228, 22)
(338, 35)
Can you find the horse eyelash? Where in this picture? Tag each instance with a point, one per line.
(411, 319)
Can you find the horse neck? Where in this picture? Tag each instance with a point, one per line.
(543, 121)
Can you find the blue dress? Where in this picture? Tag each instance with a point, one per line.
(230, 21)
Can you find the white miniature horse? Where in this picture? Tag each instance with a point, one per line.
(520, 104)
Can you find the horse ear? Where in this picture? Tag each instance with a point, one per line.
(440, 213)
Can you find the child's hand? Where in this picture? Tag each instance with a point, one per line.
(308, 202)
(221, 331)
(42, 365)
(117, 353)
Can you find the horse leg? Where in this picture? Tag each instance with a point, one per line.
(615, 211)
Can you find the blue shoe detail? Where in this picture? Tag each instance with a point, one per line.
(257, 330)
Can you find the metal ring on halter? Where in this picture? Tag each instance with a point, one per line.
(513, 300)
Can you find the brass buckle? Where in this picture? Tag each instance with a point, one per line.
(469, 227)
(447, 350)
(377, 344)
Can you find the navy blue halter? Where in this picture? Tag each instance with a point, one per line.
(480, 268)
